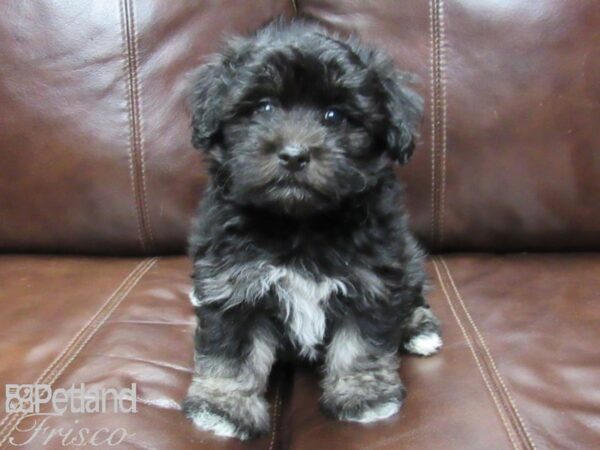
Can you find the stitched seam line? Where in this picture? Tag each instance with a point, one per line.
(295, 6)
(510, 405)
(470, 343)
(438, 121)
(82, 337)
(444, 108)
(276, 412)
(136, 153)
(140, 125)
(132, 175)
(432, 24)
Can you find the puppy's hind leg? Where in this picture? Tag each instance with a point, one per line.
(422, 335)
(232, 366)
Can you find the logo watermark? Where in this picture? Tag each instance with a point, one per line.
(39, 403)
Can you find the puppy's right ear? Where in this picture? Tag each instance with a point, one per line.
(208, 94)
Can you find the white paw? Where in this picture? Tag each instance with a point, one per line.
(424, 344)
(219, 425)
(376, 413)
(195, 301)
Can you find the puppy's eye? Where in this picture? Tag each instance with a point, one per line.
(264, 106)
(333, 116)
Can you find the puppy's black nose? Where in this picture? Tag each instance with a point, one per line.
(294, 157)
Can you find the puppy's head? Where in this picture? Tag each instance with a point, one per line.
(297, 121)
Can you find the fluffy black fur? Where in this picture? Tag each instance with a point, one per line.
(315, 262)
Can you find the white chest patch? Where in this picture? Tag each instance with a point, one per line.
(302, 301)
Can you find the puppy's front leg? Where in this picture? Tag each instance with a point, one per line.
(361, 382)
(234, 355)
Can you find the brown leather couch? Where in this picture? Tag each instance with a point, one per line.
(98, 181)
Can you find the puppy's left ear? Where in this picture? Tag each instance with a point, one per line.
(405, 109)
(404, 106)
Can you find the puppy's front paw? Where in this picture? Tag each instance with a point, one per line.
(363, 399)
(234, 416)
(203, 416)
(424, 344)
(368, 413)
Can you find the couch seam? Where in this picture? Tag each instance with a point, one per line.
(140, 127)
(136, 145)
(438, 121)
(433, 128)
(444, 107)
(486, 380)
(81, 338)
(520, 423)
(132, 176)
(276, 413)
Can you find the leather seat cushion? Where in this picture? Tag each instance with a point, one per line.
(519, 368)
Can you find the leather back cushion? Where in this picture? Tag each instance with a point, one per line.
(94, 127)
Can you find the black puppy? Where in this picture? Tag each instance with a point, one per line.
(301, 245)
